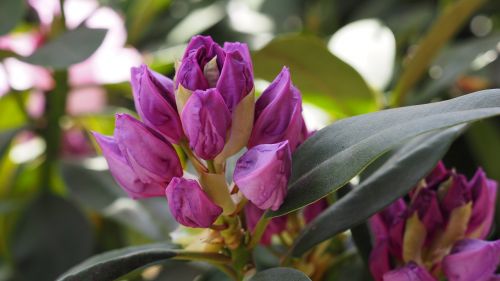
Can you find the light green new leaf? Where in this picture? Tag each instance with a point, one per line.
(11, 12)
(337, 153)
(316, 72)
(71, 47)
(280, 274)
(392, 180)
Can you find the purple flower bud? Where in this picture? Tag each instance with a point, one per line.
(410, 272)
(236, 78)
(278, 114)
(189, 204)
(123, 173)
(312, 211)
(393, 219)
(151, 157)
(206, 65)
(438, 175)
(457, 193)
(262, 174)
(155, 102)
(426, 204)
(472, 260)
(275, 226)
(206, 122)
(483, 192)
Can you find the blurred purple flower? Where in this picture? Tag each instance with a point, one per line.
(262, 174)
(275, 226)
(206, 121)
(410, 272)
(141, 160)
(312, 211)
(278, 114)
(155, 102)
(189, 204)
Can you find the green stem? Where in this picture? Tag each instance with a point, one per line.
(63, 13)
(200, 256)
(259, 231)
(446, 25)
(211, 166)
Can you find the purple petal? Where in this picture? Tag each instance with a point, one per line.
(242, 48)
(457, 193)
(189, 205)
(438, 175)
(484, 193)
(262, 174)
(235, 81)
(379, 261)
(275, 226)
(278, 114)
(123, 173)
(313, 210)
(155, 102)
(427, 205)
(411, 272)
(206, 121)
(152, 158)
(472, 260)
(190, 73)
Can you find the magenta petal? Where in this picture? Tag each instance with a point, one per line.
(206, 121)
(438, 175)
(411, 272)
(278, 114)
(484, 193)
(379, 261)
(123, 173)
(427, 205)
(472, 260)
(235, 81)
(152, 158)
(155, 102)
(189, 204)
(190, 73)
(262, 174)
(457, 194)
(208, 49)
(312, 211)
(275, 226)
(242, 48)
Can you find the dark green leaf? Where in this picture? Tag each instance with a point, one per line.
(484, 140)
(337, 153)
(71, 47)
(51, 236)
(280, 274)
(392, 180)
(111, 265)
(315, 71)
(11, 12)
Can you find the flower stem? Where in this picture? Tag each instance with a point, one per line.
(258, 231)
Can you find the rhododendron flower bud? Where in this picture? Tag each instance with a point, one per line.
(155, 102)
(275, 226)
(426, 205)
(312, 211)
(278, 114)
(140, 159)
(410, 272)
(483, 194)
(472, 260)
(207, 65)
(189, 204)
(206, 121)
(262, 174)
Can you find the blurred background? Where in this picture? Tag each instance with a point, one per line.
(65, 72)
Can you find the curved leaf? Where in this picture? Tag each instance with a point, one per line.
(280, 274)
(71, 47)
(111, 265)
(315, 71)
(337, 153)
(392, 180)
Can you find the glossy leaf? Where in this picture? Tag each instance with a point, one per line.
(51, 236)
(71, 47)
(11, 12)
(111, 265)
(337, 153)
(315, 71)
(280, 274)
(392, 180)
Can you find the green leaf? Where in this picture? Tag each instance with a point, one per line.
(11, 12)
(315, 71)
(400, 173)
(337, 153)
(51, 236)
(5, 140)
(484, 139)
(10, 106)
(280, 273)
(71, 47)
(111, 265)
